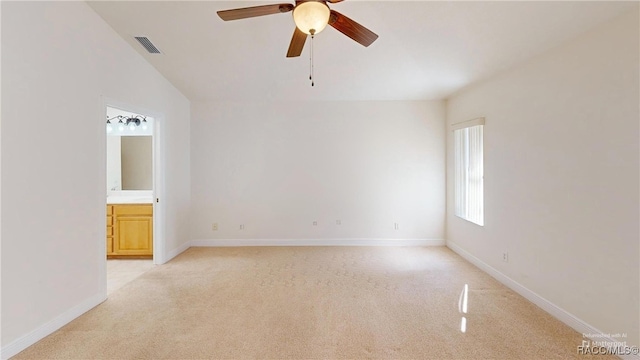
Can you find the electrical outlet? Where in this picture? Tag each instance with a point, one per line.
(315, 223)
(338, 222)
(214, 227)
(505, 256)
(396, 226)
(241, 226)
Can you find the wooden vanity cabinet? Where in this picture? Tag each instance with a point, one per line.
(132, 228)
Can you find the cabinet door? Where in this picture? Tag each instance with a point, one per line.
(134, 235)
(109, 245)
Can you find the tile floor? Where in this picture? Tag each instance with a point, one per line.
(122, 271)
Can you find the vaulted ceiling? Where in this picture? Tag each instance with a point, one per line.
(426, 50)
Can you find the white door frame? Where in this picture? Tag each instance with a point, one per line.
(159, 221)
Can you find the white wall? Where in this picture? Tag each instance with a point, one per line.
(58, 59)
(561, 176)
(277, 167)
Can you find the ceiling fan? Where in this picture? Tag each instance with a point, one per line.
(310, 17)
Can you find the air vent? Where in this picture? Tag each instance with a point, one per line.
(147, 44)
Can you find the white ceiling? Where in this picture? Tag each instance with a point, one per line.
(426, 50)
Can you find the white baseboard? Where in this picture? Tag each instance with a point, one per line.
(316, 242)
(41, 332)
(175, 252)
(546, 305)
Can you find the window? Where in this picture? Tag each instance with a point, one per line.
(468, 162)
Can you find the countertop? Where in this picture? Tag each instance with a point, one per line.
(129, 200)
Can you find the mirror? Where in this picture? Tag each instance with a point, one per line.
(129, 163)
(137, 158)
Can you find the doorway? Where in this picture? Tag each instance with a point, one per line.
(134, 236)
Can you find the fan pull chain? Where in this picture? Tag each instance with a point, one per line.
(311, 62)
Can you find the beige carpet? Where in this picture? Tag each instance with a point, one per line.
(312, 302)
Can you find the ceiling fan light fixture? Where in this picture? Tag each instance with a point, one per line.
(311, 17)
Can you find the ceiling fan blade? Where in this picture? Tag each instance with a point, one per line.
(248, 12)
(297, 43)
(352, 29)
(334, 1)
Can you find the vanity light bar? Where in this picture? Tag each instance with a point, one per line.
(132, 122)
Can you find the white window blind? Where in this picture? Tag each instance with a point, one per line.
(468, 158)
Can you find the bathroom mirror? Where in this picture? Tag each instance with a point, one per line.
(129, 163)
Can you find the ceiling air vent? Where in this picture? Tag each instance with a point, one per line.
(147, 44)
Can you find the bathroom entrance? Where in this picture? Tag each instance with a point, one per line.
(131, 201)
